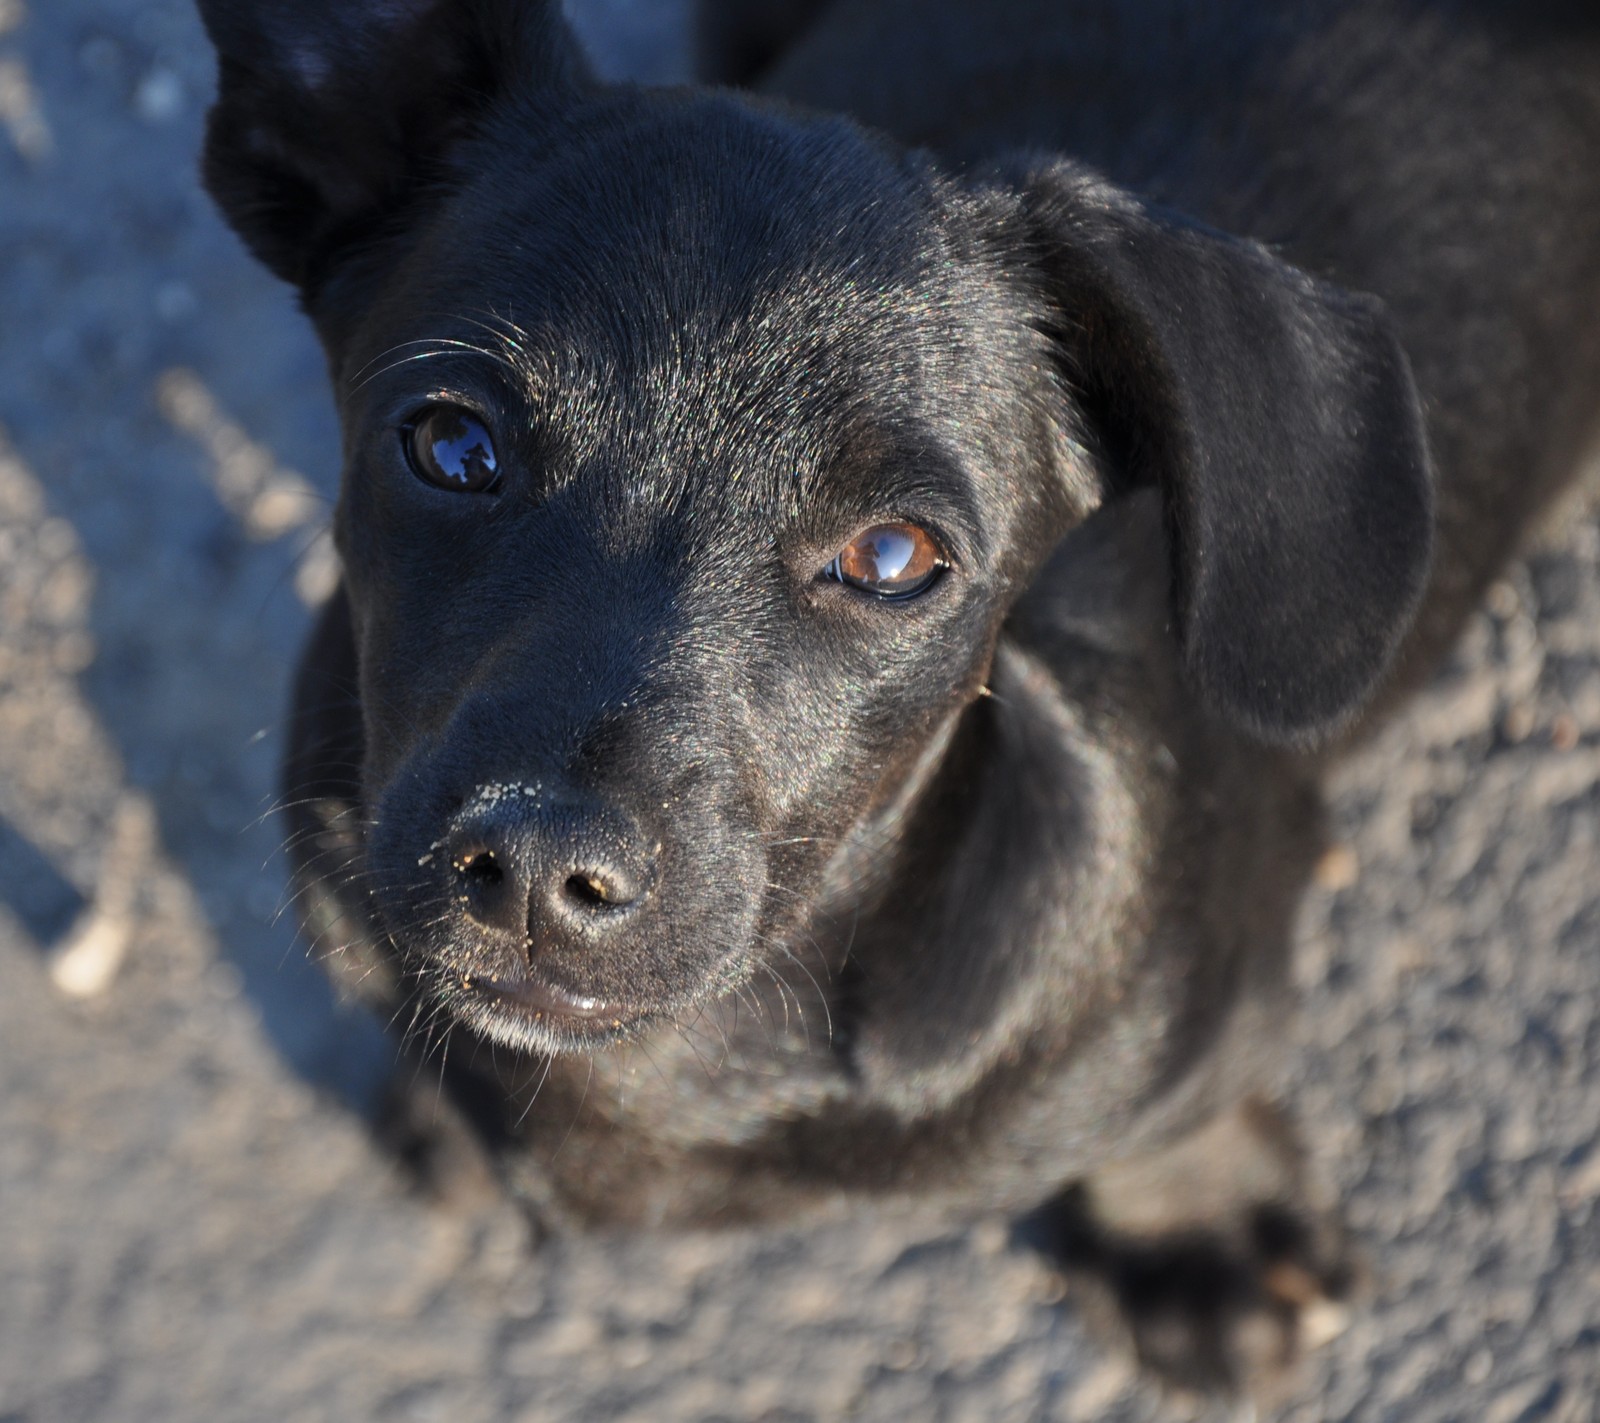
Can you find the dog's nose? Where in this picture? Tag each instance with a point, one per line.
(555, 870)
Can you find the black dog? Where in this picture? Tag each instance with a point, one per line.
(873, 604)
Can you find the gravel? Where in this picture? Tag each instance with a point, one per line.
(193, 1222)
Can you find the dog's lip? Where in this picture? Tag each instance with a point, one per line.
(542, 1000)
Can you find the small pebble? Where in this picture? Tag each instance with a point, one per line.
(1338, 868)
(159, 97)
(902, 1355)
(1517, 724)
(1105, 1384)
(1564, 733)
(633, 1352)
(1502, 600)
(86, 962)
(990, 1237)
(1583, 1182)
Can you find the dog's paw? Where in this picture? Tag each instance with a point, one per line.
(1217, 1297)
(1222, 1314)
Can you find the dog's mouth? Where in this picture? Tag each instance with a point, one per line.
(527, 1012)
(544, 1001)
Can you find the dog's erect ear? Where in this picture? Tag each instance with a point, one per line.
(332, 116)
(1279, 419)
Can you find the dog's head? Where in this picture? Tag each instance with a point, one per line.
(697, 452)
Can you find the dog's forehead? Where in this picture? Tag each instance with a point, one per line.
(699, 251)
(681, 204)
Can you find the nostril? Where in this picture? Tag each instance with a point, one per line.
(480, 869)
(488, 882)
(600, 889)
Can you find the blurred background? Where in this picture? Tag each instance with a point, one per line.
(193, 1223)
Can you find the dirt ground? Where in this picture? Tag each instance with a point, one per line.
(194, 1227)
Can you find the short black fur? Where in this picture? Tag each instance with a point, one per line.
(985, 895)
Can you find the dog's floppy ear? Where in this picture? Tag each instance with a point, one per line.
(332, 116)
(1278, 417)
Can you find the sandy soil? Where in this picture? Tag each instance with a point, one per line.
(193, 1225)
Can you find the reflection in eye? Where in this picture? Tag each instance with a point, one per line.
(449, 448)
(891, 560)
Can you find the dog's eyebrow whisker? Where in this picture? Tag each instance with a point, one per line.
(514, 342)
(437, 347)
(388, 351)
(395, 365)
(502, 328)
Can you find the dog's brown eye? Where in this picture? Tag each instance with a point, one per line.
(891, 560)
(448, 447)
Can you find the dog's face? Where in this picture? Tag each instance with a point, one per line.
(697, 454)
(675, 538)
